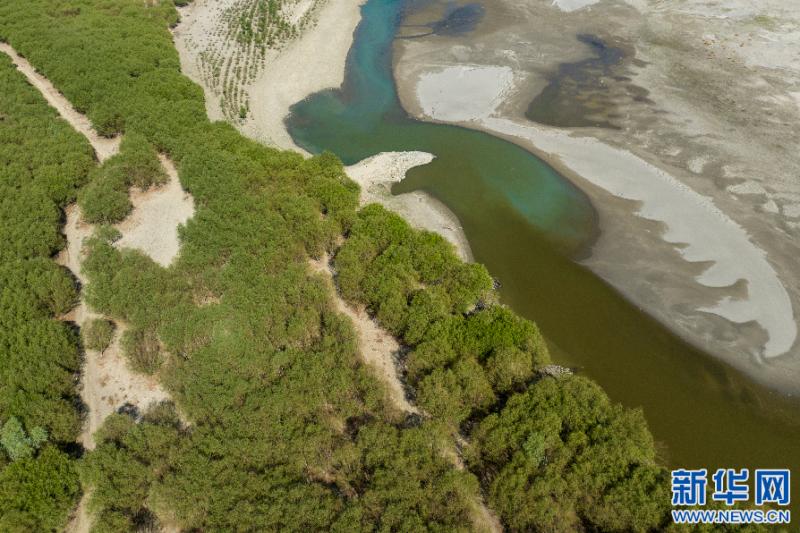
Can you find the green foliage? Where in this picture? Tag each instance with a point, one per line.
(37, 493)
(561, 457)
(105, 199)
(42, 164)
(97, 334)
(142, 349)
(17, 443)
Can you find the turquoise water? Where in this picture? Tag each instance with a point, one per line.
(365, 118)
(526, 223)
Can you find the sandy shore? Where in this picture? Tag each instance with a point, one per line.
(376, 175)
(691, 229)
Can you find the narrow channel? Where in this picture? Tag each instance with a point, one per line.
(528, 224)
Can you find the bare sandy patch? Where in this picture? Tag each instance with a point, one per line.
(573, 5)
(480, 91)
(311, 62)
(152, 226)
(376, 175)
(103, 146)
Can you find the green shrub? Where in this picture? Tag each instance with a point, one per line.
(98, 334)
(143, 350)
(38, 493)
(105, 200)
(17, 443)
(562, 457)
(138, 162)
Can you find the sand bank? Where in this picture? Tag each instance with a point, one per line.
(376, 175)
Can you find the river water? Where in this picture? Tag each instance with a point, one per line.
(528, 224)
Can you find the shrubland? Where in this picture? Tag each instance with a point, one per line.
(276, 423)
(42, 164)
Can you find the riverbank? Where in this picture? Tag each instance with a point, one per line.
(676, 238)
(312, 62)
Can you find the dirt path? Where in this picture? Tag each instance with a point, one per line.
(104, 147)
(106, 381)
(378, 349)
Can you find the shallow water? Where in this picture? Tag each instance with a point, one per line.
(527, 224)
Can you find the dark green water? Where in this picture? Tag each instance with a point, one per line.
(527, 223)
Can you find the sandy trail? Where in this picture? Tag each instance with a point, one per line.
(152, 226)
(377, 347)
(107, 383)
(103, 146)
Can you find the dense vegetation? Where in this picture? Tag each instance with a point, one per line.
(42, 163)
(553, 454)
(278, 425)
(105, 198)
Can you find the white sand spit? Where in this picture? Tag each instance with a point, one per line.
(481, 89)
(376, 174)
(704, 233)
(573, 5)
(152, 226)
(377, 347)
(103, 146)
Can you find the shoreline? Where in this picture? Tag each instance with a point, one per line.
(719, 290)
(322, 50)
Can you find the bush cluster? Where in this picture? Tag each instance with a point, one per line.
(105, 198)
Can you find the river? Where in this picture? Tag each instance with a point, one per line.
(528, 225)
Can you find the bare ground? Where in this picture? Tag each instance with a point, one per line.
(152, 226)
